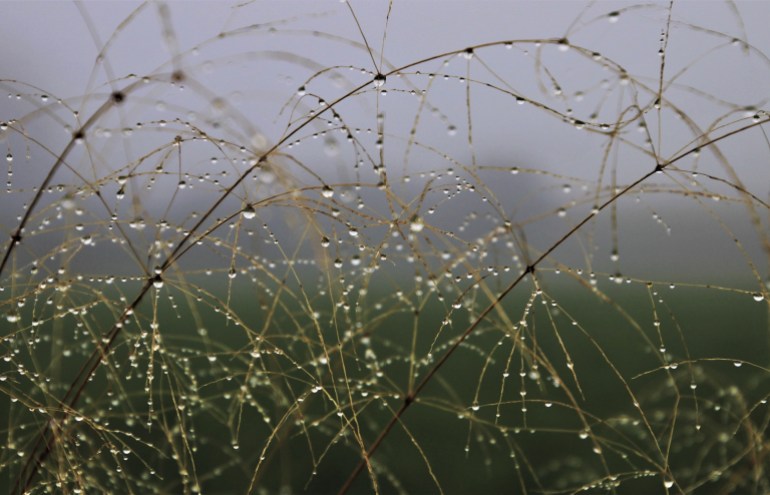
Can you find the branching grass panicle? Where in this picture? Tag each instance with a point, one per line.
(385, 247)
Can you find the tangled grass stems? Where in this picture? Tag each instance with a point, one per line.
(530, 269)
(299, 341)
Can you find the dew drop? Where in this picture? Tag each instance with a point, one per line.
(301, 91)
(379, 80)
(137, 224)
(613, 16)
(327, 192)
(249, 212)
(758, 297)
(416, 224)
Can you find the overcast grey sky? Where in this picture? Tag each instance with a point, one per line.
(256, 70)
